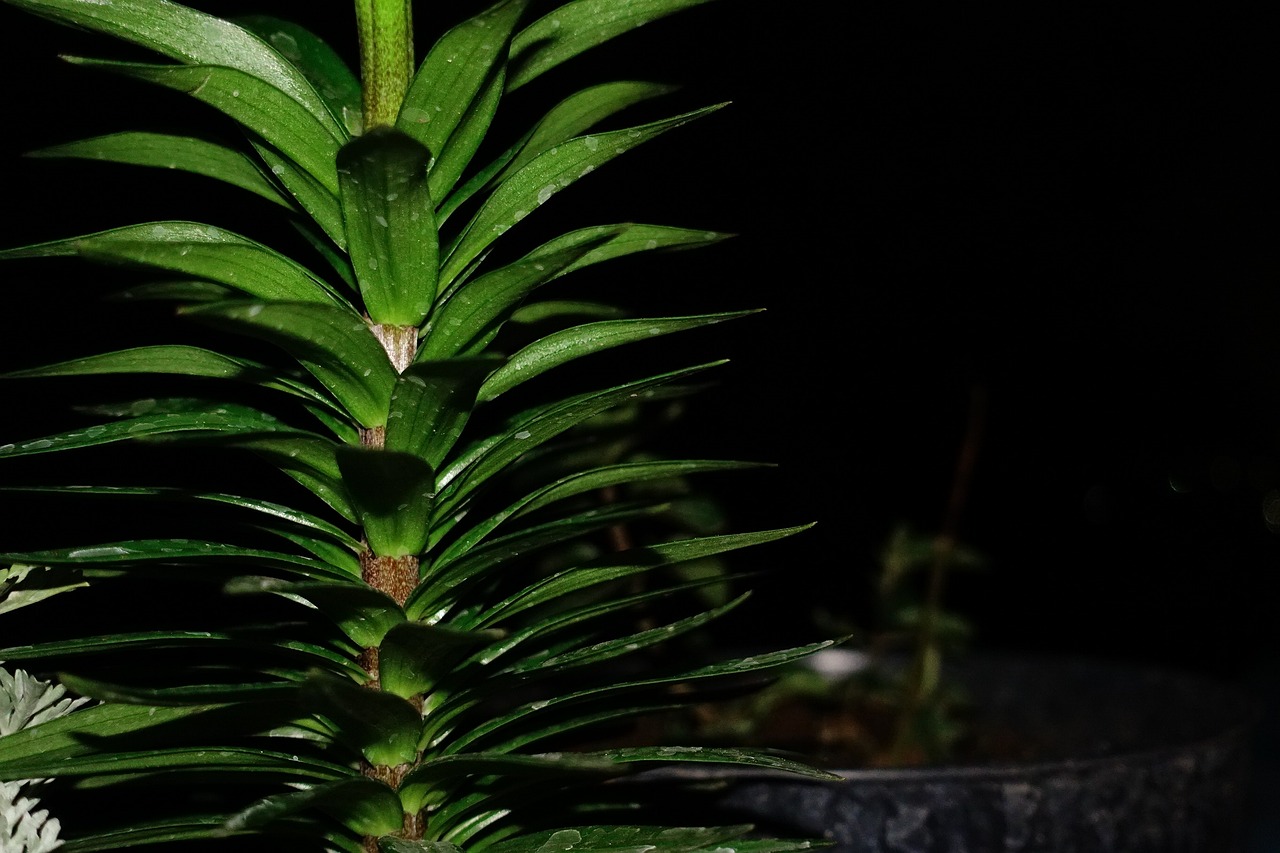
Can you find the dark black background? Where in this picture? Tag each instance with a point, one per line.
(1069, 212)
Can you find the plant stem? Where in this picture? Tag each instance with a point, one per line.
(386, 57)
(926, 656)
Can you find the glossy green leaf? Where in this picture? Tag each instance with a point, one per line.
(611, 648)
(325, 550)
(513, 728)
(616, 241)
(431, 404)
(424, 781)
(62, 740)
(579, 113)
(364, 614)
(320, 203)
(194, 249)
(200, 695)
(191, 37)
(625, 564)
(567, 119)
(308, 459)
(447, 87)
(390, 225)
(206, 760)
(413, 655)
(381, 727)
(568, 344)
(554, 309)
(392, 493)
(126, 838)
(145, 642)
(570, 616)
(178, 360)
(173, 291)
(319, 63)
(465, 141)
(166, 151)
(332, 343)
(474, 312)
(577, 26)
(715, 755)
(543, 177)
(147, 426)
(444, 579)
(362, 805)
(538, 427)
(263, 110)
(175, 551)
(624, 839)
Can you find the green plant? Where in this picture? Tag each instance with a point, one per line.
(387, 656)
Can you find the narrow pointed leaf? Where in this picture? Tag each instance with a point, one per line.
(450, 79)
(308, 459)
(175, 359)
(568, 344)
(320, 203)
(166, 151)
(579, 113)
(364, 614)
(553, 309)
(335, 345)
(543, 177)
(173, 291)
(431, 404)
(715, 755)
(126, 838)
(364, 806)
(381, 727)
(616, 241)
(541, 426)
(191, 37)
(627, 644)
(63, 739)
(176, 551)
(193, 249)
(203, 694)
(555, 708)
(319, 63)
(413, 655)
(570, 117)
(476, 565)
(426, 780)
(577, 26)
(466, 139)
(629, 563)
(204, 759)
(263, 110)
(392, 493)
(147, 426)
(390, 225)
(475, 311)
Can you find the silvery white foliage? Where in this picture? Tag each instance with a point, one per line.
(27, 701)
(22, 828)
(21, 585)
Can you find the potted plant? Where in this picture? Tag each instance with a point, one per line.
(943, 749)
(386, 647)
